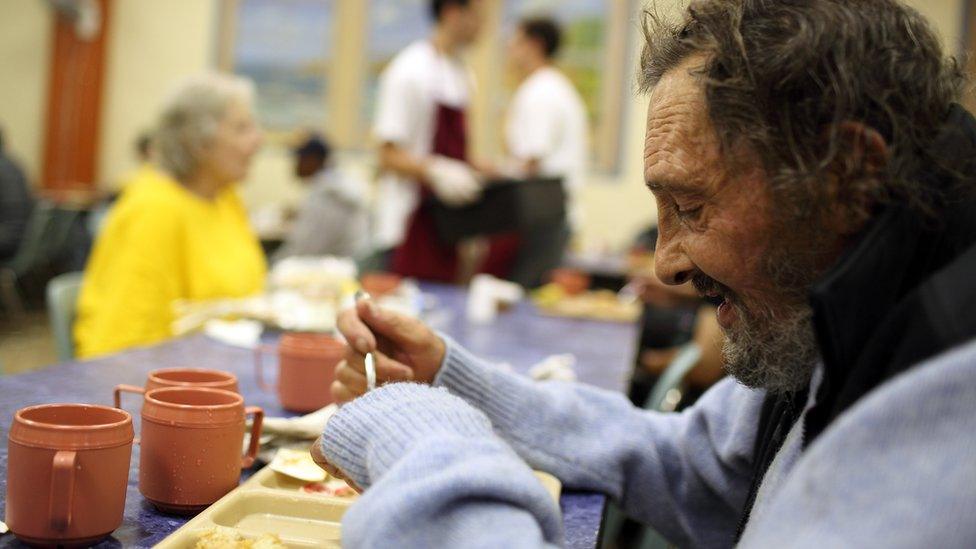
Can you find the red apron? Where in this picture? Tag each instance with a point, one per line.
(422, 254)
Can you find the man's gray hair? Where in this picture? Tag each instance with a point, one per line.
(780, 76)
(190, 117)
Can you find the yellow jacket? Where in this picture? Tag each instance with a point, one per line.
(163, 243)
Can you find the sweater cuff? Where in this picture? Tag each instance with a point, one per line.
(367, 436)
(481, 384)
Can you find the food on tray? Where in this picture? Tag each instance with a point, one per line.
(572, 281)
(335, 487)
(228, 538)
(297, 464)
(551, 299)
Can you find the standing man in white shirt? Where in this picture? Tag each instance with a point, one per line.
(422, 129)
(546, 136)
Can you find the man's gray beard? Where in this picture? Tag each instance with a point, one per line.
(777, 355)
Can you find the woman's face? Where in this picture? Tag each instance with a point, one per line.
(238, 137)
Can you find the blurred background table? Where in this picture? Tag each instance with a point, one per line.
(519, 337)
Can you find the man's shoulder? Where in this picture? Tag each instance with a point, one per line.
(410, 61)
(10, 170)
(549, 86)
(944, 375)
(157, 201)
(903, 451)
(941, 389)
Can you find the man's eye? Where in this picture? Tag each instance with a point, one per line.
(688, 214)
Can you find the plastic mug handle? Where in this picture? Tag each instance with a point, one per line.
(62, 488)
(252, 447)
(259, 353)
(124, 388)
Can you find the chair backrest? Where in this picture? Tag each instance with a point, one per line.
(688, 356)
(62, 223)
(28, 252)
(62, 299)
(47, 233)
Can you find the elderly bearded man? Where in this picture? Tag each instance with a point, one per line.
(811, 169)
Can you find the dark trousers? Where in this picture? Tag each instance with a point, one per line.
(541, 251)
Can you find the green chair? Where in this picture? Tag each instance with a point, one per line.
(62, 298)
(664, 397)
(47, 233)
(667, 392)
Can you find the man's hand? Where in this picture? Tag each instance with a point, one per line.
(404, 349)
(319, 458)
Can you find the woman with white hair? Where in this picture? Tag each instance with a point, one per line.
(182, 233)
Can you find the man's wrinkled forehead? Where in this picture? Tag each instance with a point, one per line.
(678, 138)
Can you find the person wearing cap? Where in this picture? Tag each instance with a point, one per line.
(546, 136)
(333, 219)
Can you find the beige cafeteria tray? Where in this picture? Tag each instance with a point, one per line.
(272, 503)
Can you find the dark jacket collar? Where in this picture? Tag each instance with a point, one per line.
(874, 300)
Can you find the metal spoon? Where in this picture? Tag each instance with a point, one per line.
(368, 362)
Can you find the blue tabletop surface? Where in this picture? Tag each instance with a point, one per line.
(519, 337)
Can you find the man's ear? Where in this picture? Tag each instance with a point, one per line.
(856, 176)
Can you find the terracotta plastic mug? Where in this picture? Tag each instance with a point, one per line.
(380, 283)
(67, 471)
(191, 446)
(180, 377)
(306, 369)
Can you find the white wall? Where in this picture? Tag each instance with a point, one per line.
(947, 18)
(151, 45)
(25, 49)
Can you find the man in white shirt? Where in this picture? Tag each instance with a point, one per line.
(421, 126)
(546, 136)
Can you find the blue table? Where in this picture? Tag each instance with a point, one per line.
(519, 337)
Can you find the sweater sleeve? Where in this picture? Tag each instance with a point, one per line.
(435, 475)
(686, 474)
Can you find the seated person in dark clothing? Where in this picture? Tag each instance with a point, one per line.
(672, 316)
(15, 204)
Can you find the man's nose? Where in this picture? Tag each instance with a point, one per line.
(671, 263)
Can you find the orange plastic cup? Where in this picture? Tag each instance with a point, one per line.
(180, 377)
(67, 471)
(191, 446)
(306, 369)
(380, 283)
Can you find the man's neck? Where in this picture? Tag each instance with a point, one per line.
(203, 185)
(532, 66)
(444, 43)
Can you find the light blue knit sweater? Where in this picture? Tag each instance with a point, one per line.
(898, 469)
